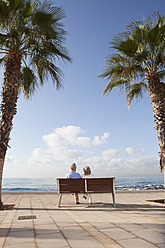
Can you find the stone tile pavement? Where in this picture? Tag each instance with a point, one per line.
(134, 223)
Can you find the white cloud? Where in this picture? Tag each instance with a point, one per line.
(69, 135)
(130, 150)
(40, 157)
(69, 144)
(99, 141)
(110, 153)
(140, 166)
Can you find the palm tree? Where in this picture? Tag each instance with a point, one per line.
(31, 43)
(137, 64)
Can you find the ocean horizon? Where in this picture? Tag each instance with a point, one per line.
(50, 184)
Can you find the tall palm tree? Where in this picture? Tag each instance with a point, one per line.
(31, 43)
(137, 64)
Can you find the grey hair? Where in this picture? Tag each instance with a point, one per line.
(87, 170)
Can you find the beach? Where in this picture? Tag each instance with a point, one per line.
(36, 222)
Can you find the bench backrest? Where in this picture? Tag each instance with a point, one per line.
(94, 185)
(100, 185)
(66, 185)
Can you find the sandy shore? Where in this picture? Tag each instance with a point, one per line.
(36, 221)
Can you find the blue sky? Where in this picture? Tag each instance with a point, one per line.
(77, 124)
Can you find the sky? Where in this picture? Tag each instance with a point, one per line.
(77, 124)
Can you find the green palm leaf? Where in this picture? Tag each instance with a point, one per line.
(28, 82)
(136, 65)
(136, 53)
(135, 91)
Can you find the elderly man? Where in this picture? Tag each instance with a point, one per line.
(74, 174)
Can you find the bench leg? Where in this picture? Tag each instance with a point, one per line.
(113, 196)
(90, 198)
(59, 200)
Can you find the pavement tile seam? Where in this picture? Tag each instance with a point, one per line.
(14, 211)
(86, 230)
(136, 242)
(131, 232)
(21, 245)
(55, 223)
(145, 239)
(7, 197)
(142, 225)
(151, 236)
(118, 226)
(146, 228)
(152, 217)
(135, 236)
(114, 223)
(33, 222)
(3, 216)
(96, 236)
(161, 245)
(16, 199)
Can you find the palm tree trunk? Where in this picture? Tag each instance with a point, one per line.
(1, 173)
(157, 98)
(8, 106)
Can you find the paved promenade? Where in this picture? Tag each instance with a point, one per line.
(134, 223)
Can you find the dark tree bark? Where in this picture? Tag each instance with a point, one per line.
(157, 98)
(8, 106)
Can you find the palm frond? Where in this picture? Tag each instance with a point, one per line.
(161, 74)
(154, 36)
(128, 47)
(36, 32)
(55, 74)
(119, 83)
(28, 82)
(135, 91)
(47, 69)
(53, 50)
(136, 54)
(57, 12)
(4, 9)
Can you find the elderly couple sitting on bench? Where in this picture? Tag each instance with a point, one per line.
(74, 174)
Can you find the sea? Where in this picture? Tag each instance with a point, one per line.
(50, 184)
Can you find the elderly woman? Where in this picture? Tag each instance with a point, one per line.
(87, 174)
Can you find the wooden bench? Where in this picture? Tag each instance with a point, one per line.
(85, 185)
